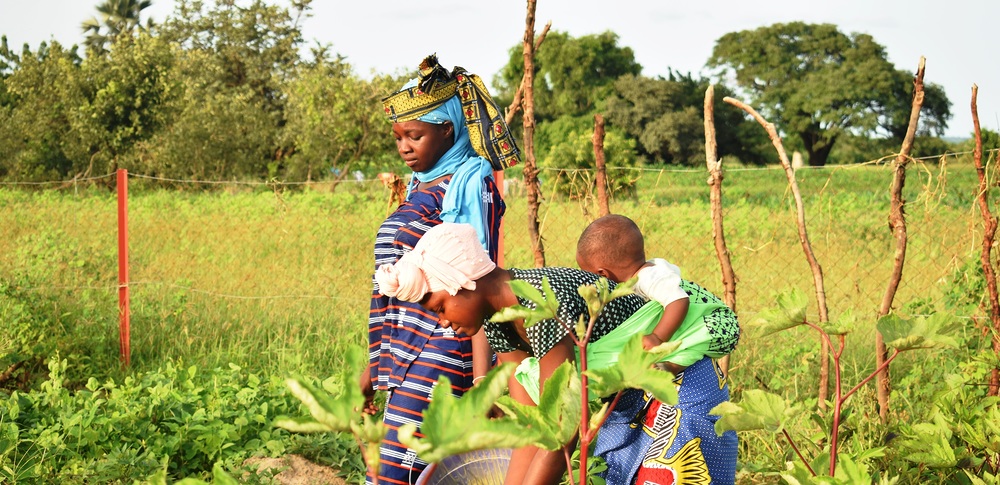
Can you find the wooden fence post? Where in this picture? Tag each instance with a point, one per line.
(124, 345)
(989, 236)
(602, 173)
(715, 197)
(530, 167)
(897, 224)
(817, 270)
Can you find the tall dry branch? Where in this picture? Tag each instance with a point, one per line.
(897, 223)
(530, 167)
(515, 104)
(817, 270)
(715, 197)
(602, 173)
(989, 236)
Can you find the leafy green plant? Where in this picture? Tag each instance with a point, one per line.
(960, 431)
(181, 420)
(771, 413)
(562, 412)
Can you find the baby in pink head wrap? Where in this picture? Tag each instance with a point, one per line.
(448, 257)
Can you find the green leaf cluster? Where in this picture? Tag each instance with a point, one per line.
(545, 305)
(179, 420)
(634, 370)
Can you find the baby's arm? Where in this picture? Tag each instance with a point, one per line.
(673, 315)
(661, 282)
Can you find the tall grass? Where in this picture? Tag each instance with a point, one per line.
(280, 279)
(277, 281)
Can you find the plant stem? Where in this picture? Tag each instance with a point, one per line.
(364, 457)
(569, 464)
(614, 402)
(797, 452)
(837, 405)
(872, 376)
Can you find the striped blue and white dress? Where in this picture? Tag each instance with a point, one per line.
(407, 349)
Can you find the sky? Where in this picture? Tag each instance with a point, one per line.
(957, 37)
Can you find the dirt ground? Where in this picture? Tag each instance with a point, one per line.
(296, 470)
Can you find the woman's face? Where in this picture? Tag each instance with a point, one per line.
(464, 312)
(421, 144)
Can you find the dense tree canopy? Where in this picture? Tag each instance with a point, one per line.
(572, 75)
(666, 116)
(817, 83)
(226, 90)
(221, 90)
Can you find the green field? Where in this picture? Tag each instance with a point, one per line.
(276, 280)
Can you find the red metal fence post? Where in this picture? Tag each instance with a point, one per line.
(123, 311)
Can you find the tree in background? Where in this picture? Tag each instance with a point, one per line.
(335, 122)
(40, 126)
(818, 84)
(666, 117)
(572, 75)
(568, 158)
(116, 17)
(573, 78)
(126, 97)
(232, 67)
(894, 117)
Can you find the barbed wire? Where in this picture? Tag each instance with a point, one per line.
(275, 182)
(52, 182)
(237, 182)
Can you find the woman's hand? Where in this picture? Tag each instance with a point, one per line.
(368, 392)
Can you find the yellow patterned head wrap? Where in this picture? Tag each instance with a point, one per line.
(488, 132)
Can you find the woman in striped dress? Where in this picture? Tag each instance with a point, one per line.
(447, 134)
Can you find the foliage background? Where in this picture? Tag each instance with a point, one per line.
(274, 280)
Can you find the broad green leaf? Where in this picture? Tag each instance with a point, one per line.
(525, 290)
(303, 425)
(336, 413)
(790, 312)
(842, 326)
(986, 478)
(220, 477)
(517, 312)
(634, 370)
(556, 418)
(456, 425)
(546, 307)
(757, 410)
(550, 295)
(922, 332)
(623, 288)
(849, 471)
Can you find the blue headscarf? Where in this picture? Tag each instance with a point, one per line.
(463, 201)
